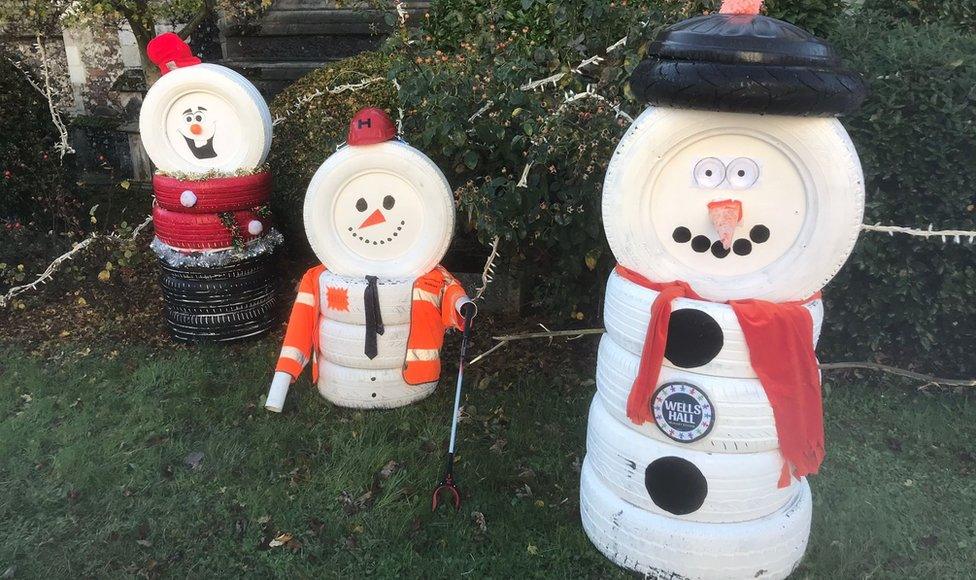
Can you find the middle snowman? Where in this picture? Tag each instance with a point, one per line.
(371, 318)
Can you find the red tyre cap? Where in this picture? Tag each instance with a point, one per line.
(169, 52)
(370, 126)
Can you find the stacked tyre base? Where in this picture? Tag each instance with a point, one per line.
(219, 304)
(693, 493)
(347, 377)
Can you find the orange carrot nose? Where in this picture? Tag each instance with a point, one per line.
(196, 129)
(374, 218)
(725, 215)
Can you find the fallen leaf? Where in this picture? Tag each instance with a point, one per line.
(194, 459)
(479, 520)
(280, 540)
(388, 470)
(532, 550)
(499, 445)
(144, 543)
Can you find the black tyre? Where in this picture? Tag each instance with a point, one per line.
(244, 268)
(785, 90)
(231, 324)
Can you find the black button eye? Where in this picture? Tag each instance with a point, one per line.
(189, 119)
(199, 118)
(361, 204)
(388, 202)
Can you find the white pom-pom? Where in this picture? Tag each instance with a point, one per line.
(188, 198)
(255, 227)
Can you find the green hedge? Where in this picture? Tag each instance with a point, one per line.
(461, 75)
(958, 12)
(909, 300)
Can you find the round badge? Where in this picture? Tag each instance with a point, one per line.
(683, 412)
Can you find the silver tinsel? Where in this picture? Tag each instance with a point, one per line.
(174, 257)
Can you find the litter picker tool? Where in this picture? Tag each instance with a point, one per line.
(447, 482)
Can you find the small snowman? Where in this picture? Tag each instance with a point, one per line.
(729, 203)
(208, 131)
(371, 318)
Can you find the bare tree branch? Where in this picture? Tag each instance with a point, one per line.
(201, 16)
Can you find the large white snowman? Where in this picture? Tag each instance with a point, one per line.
(379, 215)
(730, 202)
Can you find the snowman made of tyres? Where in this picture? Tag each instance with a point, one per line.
(371, 318)
(729, 203)
(207, 130)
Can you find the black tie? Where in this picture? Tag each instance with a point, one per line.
(374, 320)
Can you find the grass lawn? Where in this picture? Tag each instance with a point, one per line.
(98, 448)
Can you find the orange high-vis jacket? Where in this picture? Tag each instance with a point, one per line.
(432, 311)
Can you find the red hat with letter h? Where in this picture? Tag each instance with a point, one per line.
(370, 126)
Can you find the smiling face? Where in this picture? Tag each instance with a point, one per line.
(203, 118)
(379, 210)
(379, 215)
(736, 205)
(728, 204)
(198, 129)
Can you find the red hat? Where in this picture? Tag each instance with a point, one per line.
(169, 52)
(370, 126)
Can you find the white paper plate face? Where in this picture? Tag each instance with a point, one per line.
(382, 210)
(798, 181)
(205, 117)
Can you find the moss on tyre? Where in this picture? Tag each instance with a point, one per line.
(312, 118)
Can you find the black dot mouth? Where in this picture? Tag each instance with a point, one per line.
(741, 247)
(380, 241)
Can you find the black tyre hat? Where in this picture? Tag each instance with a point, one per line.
(746, 63)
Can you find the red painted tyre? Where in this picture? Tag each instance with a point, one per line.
(212, 195)
(204, 231)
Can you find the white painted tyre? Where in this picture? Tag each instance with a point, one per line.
(627, 313)
(368, 389)
(205, 118)
(686, 484)
(803, 184)
(342, 298)
(343, 344)
(742, 419)
(382, 210)
(663, 547)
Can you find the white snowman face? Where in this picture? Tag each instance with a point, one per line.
(738, 206)
(203, 129)
(205, 117)
(379, 210)
(198, 130)
(379, 215)
(728, 205)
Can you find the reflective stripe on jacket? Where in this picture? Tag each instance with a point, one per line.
(432, 311)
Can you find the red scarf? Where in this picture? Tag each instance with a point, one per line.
(788, 372)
